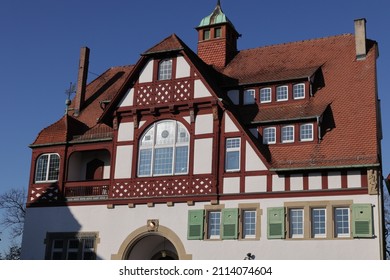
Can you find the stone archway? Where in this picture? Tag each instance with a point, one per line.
(143, 244)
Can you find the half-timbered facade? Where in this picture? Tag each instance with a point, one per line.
(273, 151)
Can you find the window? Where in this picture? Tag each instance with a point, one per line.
(249, 96)
(249, 224)
(299, 91)
(163, 150)
(281, 93)
(287, 134)
(296, 223)
(71, 246)
(265, 95)
(206, 34)
(341, 220)
(165, 70)
(269, 135)
(48, 167)
(318, 222)
(217, 32)
(214, 225)
(306, 132)
(232, 156)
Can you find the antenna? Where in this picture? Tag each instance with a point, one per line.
(72, 89)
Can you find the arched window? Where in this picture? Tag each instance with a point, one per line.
(165, 70)
(164, 150)
(48, 168)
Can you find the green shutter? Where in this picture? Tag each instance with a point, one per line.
(276, 222)
(195, 224)
(229, 223)
(362, 220)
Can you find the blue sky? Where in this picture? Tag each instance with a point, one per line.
(40, 43)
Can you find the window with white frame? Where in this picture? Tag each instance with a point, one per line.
(296, 223)
(164, 149)
(249, 96)
(47, 168)
(265, 95)
(232, 156)
(249, 224)
(306, 132)
(269, 135)
(341, 222)
(165, 70)
(288, 134)
(281, 93)
(214, 224)
(318, 222)
(299, 91)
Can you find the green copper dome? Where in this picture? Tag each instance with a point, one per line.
(216, 17)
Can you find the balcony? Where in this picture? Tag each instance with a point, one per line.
(90, 190)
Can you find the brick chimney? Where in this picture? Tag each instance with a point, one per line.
(360, 38)
(81, 80)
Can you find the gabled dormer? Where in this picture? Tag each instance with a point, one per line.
(217, 39)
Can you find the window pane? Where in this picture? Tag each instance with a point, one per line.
(232, 160)
(165, 134)
(341, 222)
(265, 95)
(233, 143)
(182, 134)
(217, 32)
(299, 91)
(163, 161)
(181, 160)
(249, 223)
(145, 162)
(269, 135)
(206, 34)
(306, 132)
(249, 96)
(287, 134)
(41, 168)
(296, 223)
(54, 166)
(165, 70)
(214, 224)
(318, 222)
(148, 138)
(281, 93)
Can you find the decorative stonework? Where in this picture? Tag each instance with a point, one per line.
(372, 180)
(43, 194)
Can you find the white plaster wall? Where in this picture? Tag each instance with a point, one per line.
(204, 124)
(146, 75)
(278, 183)
(229, 125)
(123, 164)
(126, 131)
(183, 68)
(114, 225)
(203, 155)
(128, 99)
(200, 90)
(231, 185)
(296, 182)
(315, 181)
(354, 179)
(255, 184)
(252, 160)
(334, 180)
(234, 96)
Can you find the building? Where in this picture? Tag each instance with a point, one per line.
(273, 151)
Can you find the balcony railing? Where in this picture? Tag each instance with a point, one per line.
(89, 190)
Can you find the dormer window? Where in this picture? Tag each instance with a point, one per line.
(269, 135)
(165, 70)
(306, 132)
(217, 32)
(282, 93)
(299, 91)
(265, 95)
(249, 96)
(206, 34)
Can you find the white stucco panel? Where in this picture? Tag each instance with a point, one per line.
(231, 185)
(146, 75)
(296, 182)
(334, 180)
(203, 156)
(252, 160)
(354, 179)
(204, 124)
(315, 181)
(123, 164)
(183, 69)
(255, 184)
(278, 183)
(234, 96)
(229, 125)
(128, 99)
(201, 90)
(126, 131)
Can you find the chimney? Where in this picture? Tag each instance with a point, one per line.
(81, 80)
(360, 38)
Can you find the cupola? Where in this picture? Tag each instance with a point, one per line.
(217, 39)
